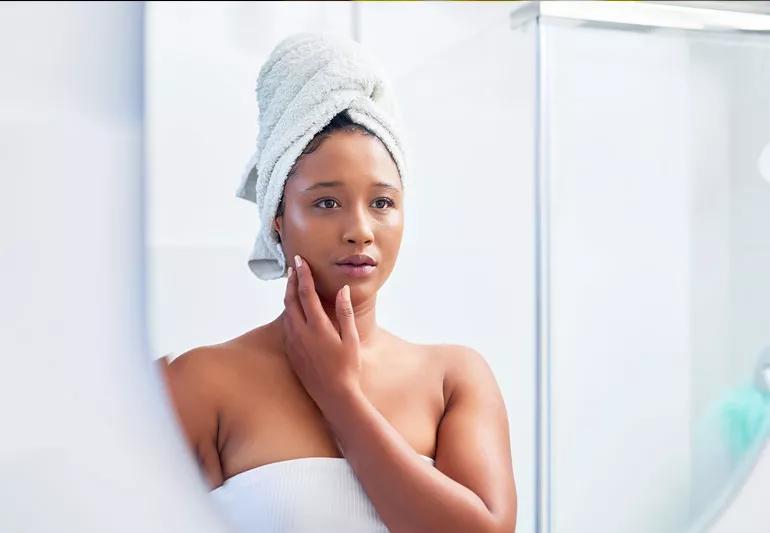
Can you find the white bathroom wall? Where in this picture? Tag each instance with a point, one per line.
(465, 273)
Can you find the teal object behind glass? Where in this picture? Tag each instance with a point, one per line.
(745, 417)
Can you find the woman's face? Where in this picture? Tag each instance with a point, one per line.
(344, 198)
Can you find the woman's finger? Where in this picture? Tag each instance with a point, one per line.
(346, 317)
(291, 300)
(311, 303)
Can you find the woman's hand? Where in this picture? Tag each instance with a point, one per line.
(327, 363)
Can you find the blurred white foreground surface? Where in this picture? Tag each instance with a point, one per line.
(89, 443)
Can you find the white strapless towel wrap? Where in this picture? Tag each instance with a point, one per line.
(306, 81)
(306, 495)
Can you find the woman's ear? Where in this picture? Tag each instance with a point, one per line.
(277, 226)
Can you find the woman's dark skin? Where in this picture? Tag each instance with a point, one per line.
(258, 399)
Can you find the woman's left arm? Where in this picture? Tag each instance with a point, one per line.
(471, 488)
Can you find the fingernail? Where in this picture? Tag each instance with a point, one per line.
(289, 274)
(347, 292)
(297, 261)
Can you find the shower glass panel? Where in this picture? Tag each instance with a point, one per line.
(655, 179)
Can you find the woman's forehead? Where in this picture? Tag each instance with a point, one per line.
(353, 159)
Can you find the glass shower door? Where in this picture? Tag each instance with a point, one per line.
(655, 198)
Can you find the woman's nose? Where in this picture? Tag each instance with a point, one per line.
(359, 229)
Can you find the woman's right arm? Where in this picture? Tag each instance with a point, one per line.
(191, 389)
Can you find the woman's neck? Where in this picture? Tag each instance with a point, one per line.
(365, 314)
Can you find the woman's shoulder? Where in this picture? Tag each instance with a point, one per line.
(208, 379)
(459, 362)
(451, 355)
(199, 371)
(459, 353)
(260, 338)
(454, 361)
(227, 357)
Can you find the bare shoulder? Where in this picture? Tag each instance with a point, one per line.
(195, 379)
(203, 369)
(196, 382)
(214, 364)
(207, 376)
(459, 366)
(463, 367)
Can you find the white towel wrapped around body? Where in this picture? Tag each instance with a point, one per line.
(307, 80)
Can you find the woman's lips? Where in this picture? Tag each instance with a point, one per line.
(356, 271)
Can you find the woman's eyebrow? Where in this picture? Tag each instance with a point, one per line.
(329, 184)
(323, 184)
(384, 185)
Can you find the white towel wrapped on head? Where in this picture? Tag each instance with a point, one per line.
(307, 80)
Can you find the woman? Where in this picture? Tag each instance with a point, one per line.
(321, 420)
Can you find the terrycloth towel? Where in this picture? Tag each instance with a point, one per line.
(306, 81)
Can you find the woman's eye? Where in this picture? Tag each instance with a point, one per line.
(388, 202)
(323, 202)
